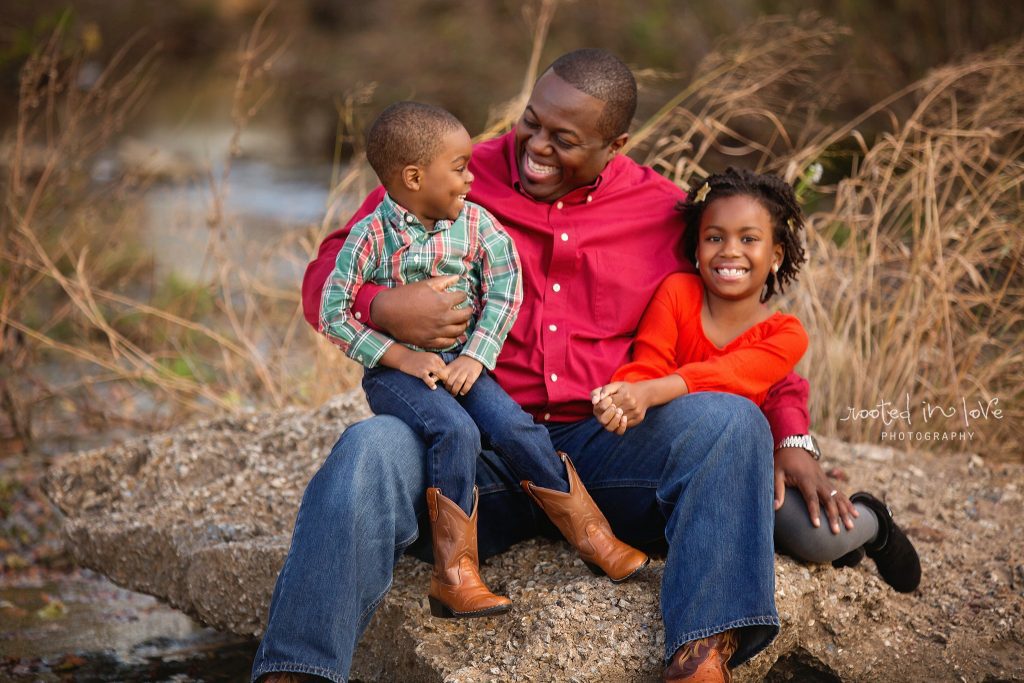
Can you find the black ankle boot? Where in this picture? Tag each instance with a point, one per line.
(892, 551)
(850, 559)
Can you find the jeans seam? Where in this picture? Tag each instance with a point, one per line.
(373, 605)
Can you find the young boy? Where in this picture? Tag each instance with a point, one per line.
(424, 227)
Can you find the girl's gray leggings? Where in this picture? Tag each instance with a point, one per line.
(797, 537)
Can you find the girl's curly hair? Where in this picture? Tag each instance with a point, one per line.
(775, 195)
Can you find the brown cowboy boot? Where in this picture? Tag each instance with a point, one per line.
(585, 527)
(703, 661)
(456, 589)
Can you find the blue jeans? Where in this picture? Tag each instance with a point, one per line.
(452, 429)
(697, 473)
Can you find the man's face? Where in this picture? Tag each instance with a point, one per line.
(559, 146)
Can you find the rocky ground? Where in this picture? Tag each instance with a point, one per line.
(200, 517)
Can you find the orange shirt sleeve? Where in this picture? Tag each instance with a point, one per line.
(750, 370)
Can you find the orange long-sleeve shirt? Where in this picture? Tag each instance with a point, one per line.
(671, 339)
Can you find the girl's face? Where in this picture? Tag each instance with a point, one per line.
(736, 250)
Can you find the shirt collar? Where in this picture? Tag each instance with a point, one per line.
(577, 196)
(399, 218)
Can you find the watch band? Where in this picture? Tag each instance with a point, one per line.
(804, 441)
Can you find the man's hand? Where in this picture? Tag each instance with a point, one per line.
(427, 366)
(422, 313)
(795, 467)
(620, 405)
(462, 374)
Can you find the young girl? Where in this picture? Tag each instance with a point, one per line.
(713, 332)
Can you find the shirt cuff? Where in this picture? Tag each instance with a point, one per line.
(482, 347)
(361, 305)
(787, 422)
(369, 347)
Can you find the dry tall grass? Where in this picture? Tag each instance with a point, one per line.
(914, 285)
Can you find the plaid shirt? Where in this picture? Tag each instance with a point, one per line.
(391, 247)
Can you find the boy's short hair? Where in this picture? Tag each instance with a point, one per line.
(601, 74)
(407, 133)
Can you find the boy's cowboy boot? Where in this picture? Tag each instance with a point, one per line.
(585, 527)
(702, 661)
(456, 589)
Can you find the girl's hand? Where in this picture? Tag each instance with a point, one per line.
(795, 467)
(619, 405)
(462, 374)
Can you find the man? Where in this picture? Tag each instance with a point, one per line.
(596, 233)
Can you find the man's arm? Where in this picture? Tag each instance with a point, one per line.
(785, 407)
(786, 410)
(421, 314)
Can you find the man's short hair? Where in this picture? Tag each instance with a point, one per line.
(601, 74)
(407, 133)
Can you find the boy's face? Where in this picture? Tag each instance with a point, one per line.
(446, 180)
(736, 250)
(559, 146)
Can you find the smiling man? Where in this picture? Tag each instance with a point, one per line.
(596, 233)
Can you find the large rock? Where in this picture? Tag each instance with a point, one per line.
(201, 518)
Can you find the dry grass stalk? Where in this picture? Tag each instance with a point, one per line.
(916, 283)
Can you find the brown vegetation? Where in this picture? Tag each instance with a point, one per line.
(914, 285)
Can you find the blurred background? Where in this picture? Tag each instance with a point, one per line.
(168, 169)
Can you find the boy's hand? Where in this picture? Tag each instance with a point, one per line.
(620, 405)
(462, 374)
(427, 366)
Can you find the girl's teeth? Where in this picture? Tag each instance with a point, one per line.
(730, 272)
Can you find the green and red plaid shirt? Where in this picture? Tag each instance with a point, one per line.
(391, 247)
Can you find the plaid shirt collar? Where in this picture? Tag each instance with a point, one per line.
(399, 218)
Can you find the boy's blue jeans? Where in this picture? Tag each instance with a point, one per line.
(453, 428)
(696, 472)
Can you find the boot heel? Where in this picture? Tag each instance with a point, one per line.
(439, 609)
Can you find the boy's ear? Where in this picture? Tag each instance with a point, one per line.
(411, 177)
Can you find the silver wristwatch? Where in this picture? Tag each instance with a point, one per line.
(804, 441)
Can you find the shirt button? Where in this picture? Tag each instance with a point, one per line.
(556, 287)
(359, 316)
(565, 237)
(554, 377)
(547, 416)
(409, 218)
(559, 206)
(553, 328)
(590, 198)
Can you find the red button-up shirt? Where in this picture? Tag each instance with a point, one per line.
(591, 262)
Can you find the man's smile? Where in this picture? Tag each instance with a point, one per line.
(536, 171)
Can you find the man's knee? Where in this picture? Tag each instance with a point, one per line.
(380, 450)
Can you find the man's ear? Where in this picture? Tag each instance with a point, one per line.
(617, 144)
(411, 177)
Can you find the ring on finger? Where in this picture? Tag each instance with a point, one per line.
(832, 493)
